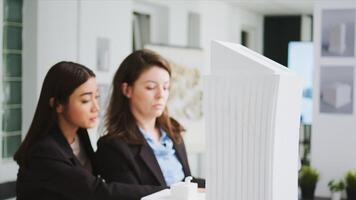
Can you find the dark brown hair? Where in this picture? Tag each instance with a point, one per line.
(60, 82)
(119, 120)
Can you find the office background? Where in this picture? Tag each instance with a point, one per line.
(100, 33)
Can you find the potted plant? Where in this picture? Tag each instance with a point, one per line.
(336, 188)
(308, 177)
(350, 180)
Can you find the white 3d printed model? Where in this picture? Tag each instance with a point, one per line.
(185, 190)
(337, 94)
(252, 110)
(337, 39)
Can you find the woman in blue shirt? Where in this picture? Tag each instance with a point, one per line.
(143, 145)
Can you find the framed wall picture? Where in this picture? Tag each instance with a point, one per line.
(338, 32)
(336, 89)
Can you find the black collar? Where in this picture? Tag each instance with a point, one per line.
(56, 133)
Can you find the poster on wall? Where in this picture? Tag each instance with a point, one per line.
(338, 33)
(186, 91)
(336, 89)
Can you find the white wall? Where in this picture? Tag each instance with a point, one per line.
(70, 34)
(45, 42)
(306, 28)
(333, 137)
(178, 31)
(30, 84)
(57, 37)
(101, 19)
(252, 22)
(220, 21)
(159, 19)
(74, 26)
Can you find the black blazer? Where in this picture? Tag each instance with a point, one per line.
(53, 172)
(135, 163)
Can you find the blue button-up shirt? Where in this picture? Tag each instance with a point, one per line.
(165, 154)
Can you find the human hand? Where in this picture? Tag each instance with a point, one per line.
(201, 190)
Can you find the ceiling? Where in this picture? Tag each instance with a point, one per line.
(276, 7)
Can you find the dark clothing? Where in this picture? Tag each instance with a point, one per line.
(53, 172)
(135, 163)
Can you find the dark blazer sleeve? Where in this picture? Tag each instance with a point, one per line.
(116, 161)
(49, 173)
(182, 154)
(112, 165)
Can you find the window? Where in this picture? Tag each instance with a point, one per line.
(141, 30)
(244, 38)
(12, 78)
(194, 30)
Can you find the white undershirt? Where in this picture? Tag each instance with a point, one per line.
(80, 153)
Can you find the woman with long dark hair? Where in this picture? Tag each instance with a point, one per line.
(56, 157)
(143, 145)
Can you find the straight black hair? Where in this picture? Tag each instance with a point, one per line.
(60, 82)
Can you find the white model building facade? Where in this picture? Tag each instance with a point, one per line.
(252, 108)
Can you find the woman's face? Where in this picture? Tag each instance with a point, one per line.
(149, 93)
(82, 108)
